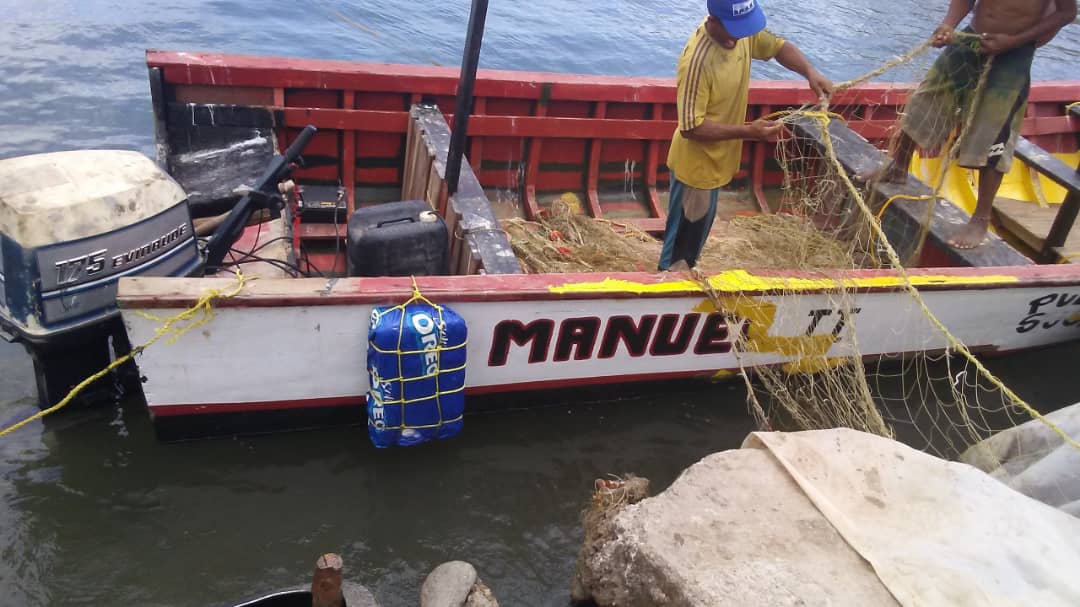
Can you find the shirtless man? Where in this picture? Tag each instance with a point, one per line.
(1008, 31)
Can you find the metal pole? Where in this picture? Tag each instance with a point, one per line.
(469, 61)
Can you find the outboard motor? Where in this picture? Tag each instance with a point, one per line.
(71, 225)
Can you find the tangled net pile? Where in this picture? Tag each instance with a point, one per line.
(942, 400)
(564, 240)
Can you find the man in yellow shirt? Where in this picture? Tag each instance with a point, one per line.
(713, 85)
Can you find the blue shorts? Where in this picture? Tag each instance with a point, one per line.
(690, 216)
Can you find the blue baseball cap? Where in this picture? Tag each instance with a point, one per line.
(741, 18)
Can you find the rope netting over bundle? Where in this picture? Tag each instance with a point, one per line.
(942, 399)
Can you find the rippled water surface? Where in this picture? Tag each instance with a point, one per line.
(93, 511)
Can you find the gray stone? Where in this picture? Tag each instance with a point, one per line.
(357, 596)
(734, 529)
(448, 585)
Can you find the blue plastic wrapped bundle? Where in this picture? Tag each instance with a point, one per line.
(416, 365)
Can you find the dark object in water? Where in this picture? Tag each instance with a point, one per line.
(354, 595)
(328, 589)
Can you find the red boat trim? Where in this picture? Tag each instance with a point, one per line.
(215, 69)
(277, 405)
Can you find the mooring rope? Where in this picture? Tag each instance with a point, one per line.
(199, 314)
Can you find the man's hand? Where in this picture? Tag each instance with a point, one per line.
(942, 36)
(822, 86)
(765, 130)
(994, 44)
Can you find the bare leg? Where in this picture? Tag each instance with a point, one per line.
(973, 234)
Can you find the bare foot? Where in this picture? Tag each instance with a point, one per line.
(888, 172)
(970, 236)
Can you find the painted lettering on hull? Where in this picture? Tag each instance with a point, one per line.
(592, 337)
(1045, 312)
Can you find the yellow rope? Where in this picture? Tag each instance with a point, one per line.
(202, 307)
(782, 113)
(881, 211)
(1069, 107)
(895, 61)
(894, 258)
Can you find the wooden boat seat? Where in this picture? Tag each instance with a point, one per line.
(1030, 224)
(1052, 232)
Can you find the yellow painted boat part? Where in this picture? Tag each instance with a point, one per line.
(1022, 182)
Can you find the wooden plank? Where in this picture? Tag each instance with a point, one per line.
(408, 172)
(1031, 224)
(532, 169)
(383, 121)
(1064, 223)
(593, 178)
(903, 219)
(652, 167)
(322, 231)
(1054, 169)
(1065, 218)
(167, 292)
(477, 223)
(348, 159)
(654, 225)
(476, 149)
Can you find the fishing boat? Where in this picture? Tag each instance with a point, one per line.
(289, 349)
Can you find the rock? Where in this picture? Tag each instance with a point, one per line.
(358, 596)
(608, 499)
(734, 529)
(455, 584)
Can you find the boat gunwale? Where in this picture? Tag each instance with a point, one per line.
(223, 69)
(171, 292)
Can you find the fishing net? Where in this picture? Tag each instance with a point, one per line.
(564, 240)
(941, 400)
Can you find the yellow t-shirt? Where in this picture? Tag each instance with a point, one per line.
(714, 83)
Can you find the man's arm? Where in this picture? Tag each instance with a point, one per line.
(958, 9)
(1042, 32)
(793, 59)
(712, 130)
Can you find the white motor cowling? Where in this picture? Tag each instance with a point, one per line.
(71, 225)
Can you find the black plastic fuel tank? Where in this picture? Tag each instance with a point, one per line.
(403, 238)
